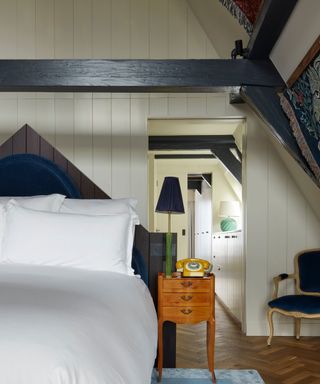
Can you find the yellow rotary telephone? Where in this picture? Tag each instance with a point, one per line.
(193, 267)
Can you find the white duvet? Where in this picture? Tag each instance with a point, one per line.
(70, 326)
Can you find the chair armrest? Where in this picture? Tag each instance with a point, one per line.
(277, 279)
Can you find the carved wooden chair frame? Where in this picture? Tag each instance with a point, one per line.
(296, 315)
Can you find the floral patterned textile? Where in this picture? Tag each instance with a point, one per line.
(301, 103)
(246, 11)
(203, 376)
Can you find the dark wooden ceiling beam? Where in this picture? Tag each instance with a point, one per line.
(265, 102)
(135, 75)
(230, 162)
(185, 156)
(270, 23)
(190, 142)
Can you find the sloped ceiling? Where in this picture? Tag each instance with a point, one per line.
(220, 26)
(297, 37)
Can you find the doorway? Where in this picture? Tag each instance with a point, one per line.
(208, 163)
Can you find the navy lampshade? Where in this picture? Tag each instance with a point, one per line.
(170, 199)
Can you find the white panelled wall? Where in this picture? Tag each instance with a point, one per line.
(106, 135)
(103, 134)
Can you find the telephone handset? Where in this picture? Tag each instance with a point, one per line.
(193, 267)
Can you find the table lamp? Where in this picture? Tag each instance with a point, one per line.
(229, 210)
(170, 201)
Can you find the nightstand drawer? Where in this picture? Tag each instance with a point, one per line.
(186, 314)
(182, 299)
(186, 285)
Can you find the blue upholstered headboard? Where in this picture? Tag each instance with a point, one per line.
(30, 175)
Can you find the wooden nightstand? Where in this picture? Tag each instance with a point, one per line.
(186, 301)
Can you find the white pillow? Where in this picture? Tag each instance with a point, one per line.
(99, 206)
(58, 239)
(106, 207)
(50, 203)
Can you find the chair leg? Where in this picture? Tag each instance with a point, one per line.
(270, 313)
(297, 328)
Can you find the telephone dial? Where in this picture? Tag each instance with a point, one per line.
(193, 267)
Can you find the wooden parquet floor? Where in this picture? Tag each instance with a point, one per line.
(287, 361)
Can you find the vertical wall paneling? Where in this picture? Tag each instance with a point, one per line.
(121, 155)
(8, 29)
(83, 137)
(159, 31)
(64, 126)
(44, 29)
(257, 217)
(101, 28)
(101, 129)
(277, 220)
(45, 119)
(26, 26)
(313, 229)
(177, 105)
(83, 29)
(177, 29)
(26, 111)
(9, 116)
(139, 29)
(63, 29)
(139, 148)
(196, 37)
(121, 29)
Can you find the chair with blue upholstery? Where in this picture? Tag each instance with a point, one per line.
(305, 304)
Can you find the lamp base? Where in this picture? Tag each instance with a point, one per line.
(168, 254)
(228, 224)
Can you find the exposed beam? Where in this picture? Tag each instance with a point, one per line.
(135, 75)
(230, 162)
(265, 102)
(195, 184)
(271, 21)
(186, 156)
(190, 142)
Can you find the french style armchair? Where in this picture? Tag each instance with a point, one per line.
(306, 302)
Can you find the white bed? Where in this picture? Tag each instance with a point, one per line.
(61, 325)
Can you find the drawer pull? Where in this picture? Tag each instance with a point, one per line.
(186, 298)
(186, 311)
(186, 284)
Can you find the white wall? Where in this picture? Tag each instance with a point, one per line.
(203, 222)
(103, 134)
(279, 223)
(297, 37)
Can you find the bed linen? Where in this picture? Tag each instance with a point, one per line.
(60, 325)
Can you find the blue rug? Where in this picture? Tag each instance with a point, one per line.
(203, 376)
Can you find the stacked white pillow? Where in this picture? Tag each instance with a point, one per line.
(89, 234)
(97, 207)
(51, 203)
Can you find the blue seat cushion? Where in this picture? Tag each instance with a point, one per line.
(297, 303)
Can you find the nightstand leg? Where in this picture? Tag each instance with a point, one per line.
(160, 348)
(210, 346)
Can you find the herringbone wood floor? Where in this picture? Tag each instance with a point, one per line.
(287, 361)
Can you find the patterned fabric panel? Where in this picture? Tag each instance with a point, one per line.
(297, 303)
(301, 103)
(245, 11)
(309, 270)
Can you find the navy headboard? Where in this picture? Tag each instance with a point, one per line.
(30, 175)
